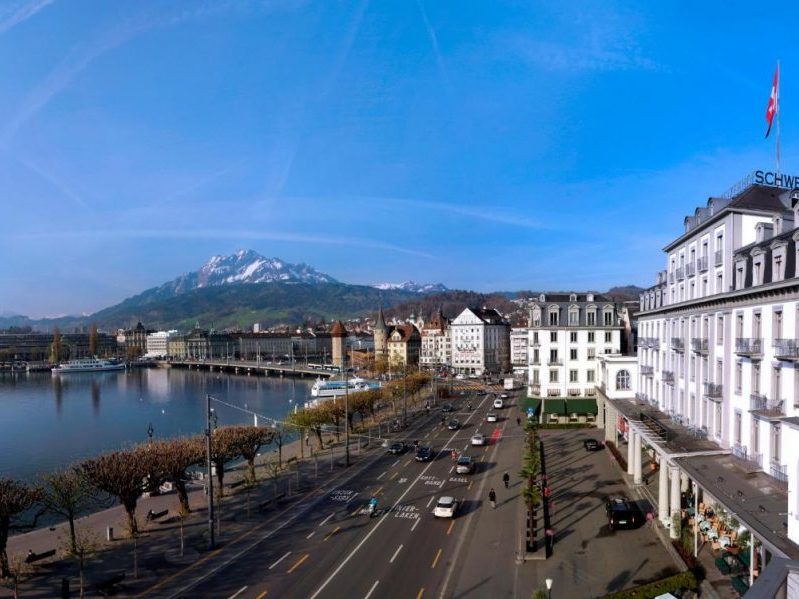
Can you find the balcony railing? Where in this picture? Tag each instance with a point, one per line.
(699, 345)
(779, 472)
(535, 389)
(719, 256)
(667, 376)
(740, 451)
(641, 397)
(768, 407)
(701, 264)
(749, 346)
(680, 273)
(555, 362)
(647, 370)
(713, 390)
(677, 344)
(690, 269)
(786, 349)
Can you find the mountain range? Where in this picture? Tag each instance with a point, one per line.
(245, 287)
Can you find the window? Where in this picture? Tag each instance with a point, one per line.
(536, 376)
(608, 337)
(720, 329)
(608, 317)
(553, 356)
(719, 283)
(535, 338)
(755, 378)
(536, 356)
(572, 354)
(573, 376)
(738, 426)
(623, 380)
(591, 353)
(553, 317)
(590, 336)
(573, 337)
(574, 316)
(536, 317)
(739, 370)
(589, 376)
(553, 336)
(590, 317)
(553, 376)
(777, 326)
(775, 443)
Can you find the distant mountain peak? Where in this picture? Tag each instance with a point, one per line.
(413, 287)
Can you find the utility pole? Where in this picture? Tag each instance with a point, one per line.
(404, 395)
(210, 474)
(346, 414)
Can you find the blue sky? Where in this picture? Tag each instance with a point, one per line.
(485, 145)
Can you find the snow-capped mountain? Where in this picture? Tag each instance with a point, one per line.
(245, 267)
(414, 287)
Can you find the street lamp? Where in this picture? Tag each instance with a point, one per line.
(150, 432)
(209, 413)
(548, 582)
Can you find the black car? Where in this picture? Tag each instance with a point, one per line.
(447, 407)
(592, 445)
(623, 514)
(425, 454)
(397, 448)
(453, 425)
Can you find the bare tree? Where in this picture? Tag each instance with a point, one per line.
(55, 347)
(18, 571)
(247, 440)
(67, 493)
(223, 449)
(80, 547)
(169, 460)
(121, 474)
(15, 498)
(93, 337)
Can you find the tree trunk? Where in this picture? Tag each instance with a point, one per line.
(72, 543)
(81, 569)
(183, 496)
(318, 432)
(5, 523)
(130, 510)
(251, 467)
(220, 478)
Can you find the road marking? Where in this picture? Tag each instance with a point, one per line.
(407, 463)
(429, 501)
(322, 523)
(351, 498)
(288, 553)
(415, 524)
(374, 586)
(377, 492)
(298, 562)
(470, 486)
(393, 476)
(451, 524)
(237, 593)
(435, 559)
(420, 593)
(261, 596)
(393, 557)
(332, 532)
(356, 512)
(381, 476)
(451, 469)
(310, 535)
(441, 486)
(394, 464)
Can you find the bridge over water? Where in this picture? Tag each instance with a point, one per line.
(252, 367)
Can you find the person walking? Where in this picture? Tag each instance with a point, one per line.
(518, 421)
(506, 479)
(492, 497)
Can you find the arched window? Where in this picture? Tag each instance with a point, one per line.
(623, 380)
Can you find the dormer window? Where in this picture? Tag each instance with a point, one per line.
(607, 316)
(589, 297)
(536, 317)
(590, 316)
(542, 298)
(574, 316)
(740, 273)
(758, 266)
(554, 316)
(573, 297)
(779, 253)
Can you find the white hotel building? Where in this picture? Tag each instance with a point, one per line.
(480, 342)
(718, 400)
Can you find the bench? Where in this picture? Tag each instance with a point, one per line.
(108, 585)
(151, 515)
(35, 557)
(237, 484)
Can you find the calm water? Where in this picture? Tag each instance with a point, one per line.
(51, 421)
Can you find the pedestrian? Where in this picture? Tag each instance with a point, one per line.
(506, 479)
(492, 497)
(518, 421)
(307, 439)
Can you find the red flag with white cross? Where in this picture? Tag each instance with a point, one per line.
(774, 100)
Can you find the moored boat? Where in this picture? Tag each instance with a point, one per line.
(87, 365)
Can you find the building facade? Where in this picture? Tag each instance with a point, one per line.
(519, 345)
(158, 344)
(480, 342)
(436, 342)
(338, 334)
(404, 344)
(566, 333)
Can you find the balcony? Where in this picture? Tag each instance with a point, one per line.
(680, 272)
(677, 344)
(699, 345)
(701, 264)
(786, 349)
(751, 347)
(779, 472)
(647, 370)
(742, 453)
(690, 269)
(772, 408)
(713, 391)
(719, 257)
(535, 389)
(641, 398)
(667, 376)
(555, 362)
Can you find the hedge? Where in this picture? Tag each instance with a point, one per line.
(683, 580)
(568, 425)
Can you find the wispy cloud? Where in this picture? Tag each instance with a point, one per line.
(431, 33)
(55, 181)
(15, 14)
(226, 234)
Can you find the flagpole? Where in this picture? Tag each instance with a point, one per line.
(778, 117)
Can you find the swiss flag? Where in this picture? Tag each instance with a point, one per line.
(773, 101)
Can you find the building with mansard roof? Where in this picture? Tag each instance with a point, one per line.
(480, 342)
(436, 349)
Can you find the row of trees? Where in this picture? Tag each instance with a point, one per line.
(125, 476)
(531, 475)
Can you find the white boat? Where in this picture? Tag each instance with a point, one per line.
(322, 388)
(88, 365)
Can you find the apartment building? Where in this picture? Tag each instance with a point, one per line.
(480, 342)
(519, 343)
(436, 349)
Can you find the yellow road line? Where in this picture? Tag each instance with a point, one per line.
(297, 563)
(435, 559)
(393, 476)
(451, 524)
(420, 593)
(407, 463)
(470, 486)
(331, 533)
(261, 596)
(378, 491)
(197, 563)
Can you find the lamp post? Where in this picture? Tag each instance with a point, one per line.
(150, 432)
(346, 415)
(548, 582)
(208, 413)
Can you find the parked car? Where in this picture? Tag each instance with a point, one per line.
(424, 454)
(592, 445)
(622, 514)
(478, 439)
(446, 507)
(498, 404)
(491, 417)
(453, 425)
(397, 448)
(464, 465)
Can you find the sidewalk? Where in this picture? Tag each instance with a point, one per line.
(158, 548)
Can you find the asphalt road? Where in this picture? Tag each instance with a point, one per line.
(328, 546)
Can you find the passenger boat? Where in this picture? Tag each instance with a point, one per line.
(87, 365)
(322, 388)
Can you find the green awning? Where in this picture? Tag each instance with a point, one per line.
(581, 406)
(532, 402)
(554, 406)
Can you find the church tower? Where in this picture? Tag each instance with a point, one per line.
(381, 336)
(338, 340)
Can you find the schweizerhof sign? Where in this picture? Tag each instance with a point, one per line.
(770, 178)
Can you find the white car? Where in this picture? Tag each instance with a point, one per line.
(478, 439)
(499, 404)
(491, 417)
(446, 507)
(505, 396)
